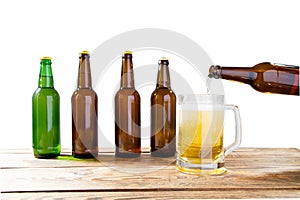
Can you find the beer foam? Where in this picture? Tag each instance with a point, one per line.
(201, 107)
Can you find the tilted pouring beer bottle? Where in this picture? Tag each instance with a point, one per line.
(45, 114)
(263, 77)
(163, 114)
(127, 113)
(84, 112)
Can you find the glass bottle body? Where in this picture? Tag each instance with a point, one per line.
(163, 122)
(84, 123)
(127, 123)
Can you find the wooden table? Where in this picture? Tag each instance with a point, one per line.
(252, 173)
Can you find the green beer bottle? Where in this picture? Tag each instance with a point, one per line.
(45, 114)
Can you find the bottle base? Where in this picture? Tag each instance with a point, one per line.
(162, 154)
(85, 156)
(127, 155)
(46, 156)
(46, 153)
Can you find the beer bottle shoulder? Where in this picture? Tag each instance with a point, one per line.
(262, 67)
(127, 92)
(45, 92)
(82, 92)
(164, 91)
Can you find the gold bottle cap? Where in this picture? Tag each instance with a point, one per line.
(164, 59)
(85, 52)
(46, 58)
(127, 52)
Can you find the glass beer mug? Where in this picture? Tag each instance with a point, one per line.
(200, 147)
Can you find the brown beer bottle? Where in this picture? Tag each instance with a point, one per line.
(127, 113)
(263, 77)
(84, 112)
(163, 114)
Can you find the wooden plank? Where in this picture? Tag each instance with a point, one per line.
(235, 194)
(242, 157)
(258, 172)
(23, 158)
(58, 179)
(267, 171)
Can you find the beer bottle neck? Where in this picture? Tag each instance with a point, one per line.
(45, 77)
(84, 72)
(240, 74)
(127, 77)
(163, 76)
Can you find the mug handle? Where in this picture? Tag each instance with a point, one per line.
(238, 129)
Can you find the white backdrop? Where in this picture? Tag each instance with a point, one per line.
(232, 32)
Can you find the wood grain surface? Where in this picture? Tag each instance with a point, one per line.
(252, 173)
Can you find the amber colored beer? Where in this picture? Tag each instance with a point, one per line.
(163, 114)
(84, 113)
(201, 136)
(127, 113)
